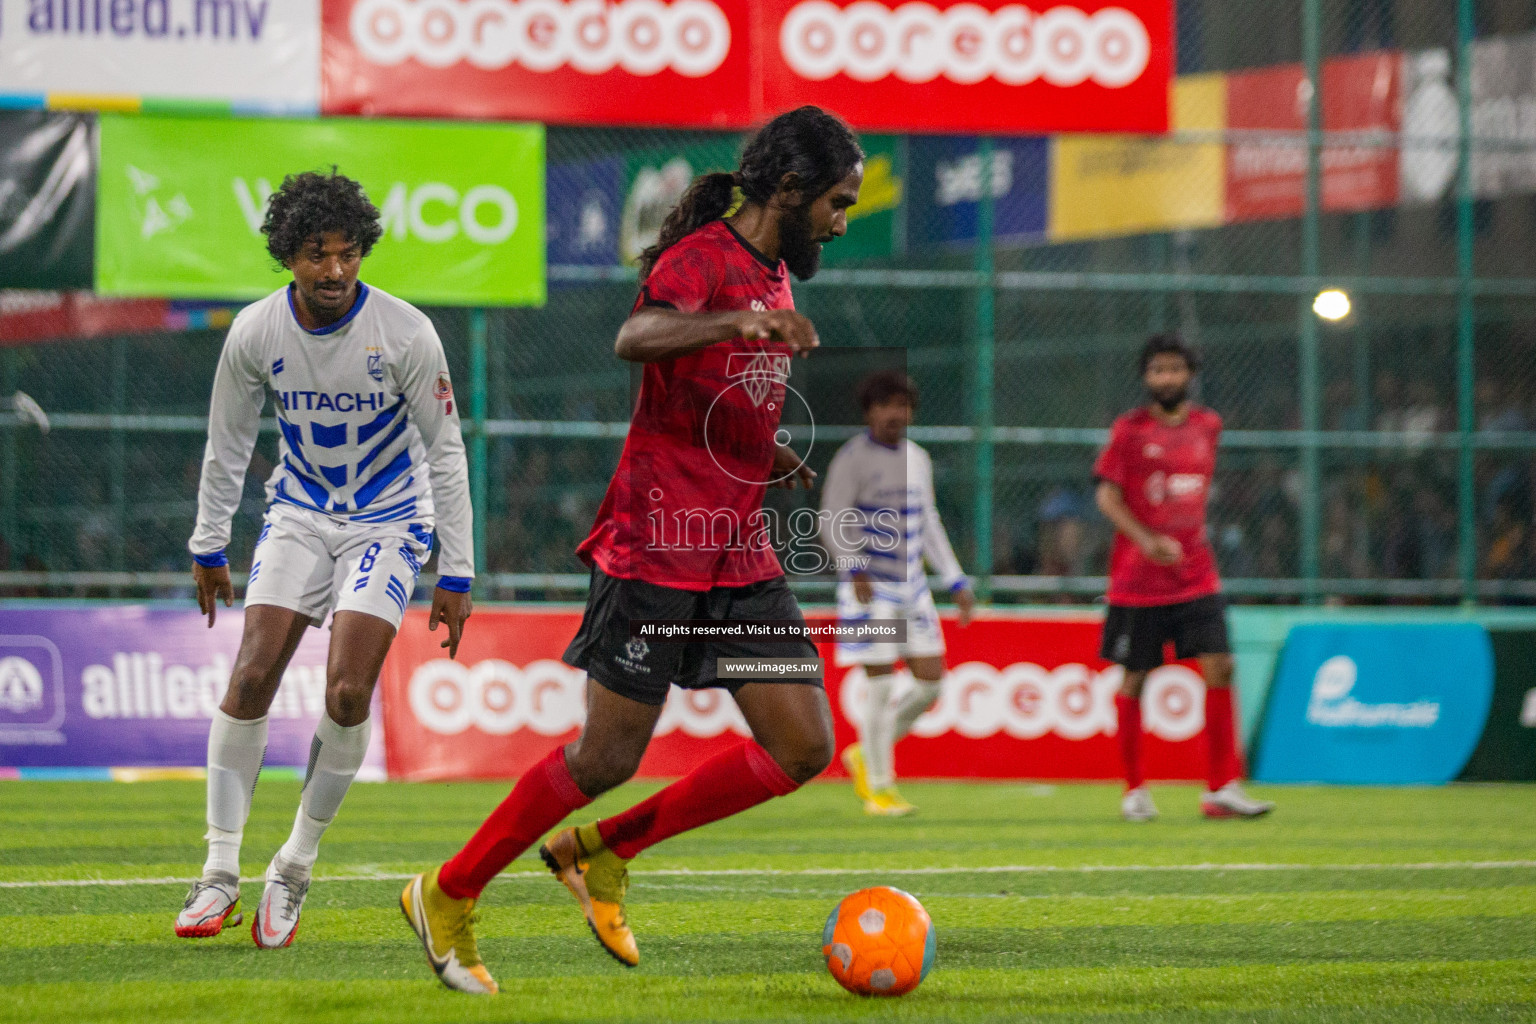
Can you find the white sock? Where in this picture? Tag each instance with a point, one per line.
(335, 755)
(236, 748)
(875, 734)
(911, 707)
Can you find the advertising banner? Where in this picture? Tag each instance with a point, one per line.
(1376, 704)
(247, 55)
(563, 61)
(584, 202)
(47, 198)
(1507, 750)
(1076, 65)
(875, 223)
(1503, 115)
(1266, 177)
(1116, 185)
(653, 183)
(1026, 698)
(125, 686)
(27, 316)
(1079, 65)
(182, 201)
(946, 183)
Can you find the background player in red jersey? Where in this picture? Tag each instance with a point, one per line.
(1154, 480)
(679, 536)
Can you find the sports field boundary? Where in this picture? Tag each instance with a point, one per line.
(988, 869)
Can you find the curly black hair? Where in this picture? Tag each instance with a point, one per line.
(312, 204)
(883, 385)
(1168, 344)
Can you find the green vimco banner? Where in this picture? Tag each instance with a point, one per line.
(181, 200)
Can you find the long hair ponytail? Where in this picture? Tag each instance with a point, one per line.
(707, 199)
(808, 142)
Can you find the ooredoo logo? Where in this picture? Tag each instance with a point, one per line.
(643, 37)
(1027, 701)
(965, 43)
(545, 696)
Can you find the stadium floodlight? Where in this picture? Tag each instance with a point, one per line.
(1331, 304)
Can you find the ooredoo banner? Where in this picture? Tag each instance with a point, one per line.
(1027, 698)
(1080, 65)
(245, 55)
(183, 199)
(122, 686)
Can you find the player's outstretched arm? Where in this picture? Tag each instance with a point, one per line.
(938, 551)
(430, 403)
(654, 333)
(234, 416)
(1160, 548)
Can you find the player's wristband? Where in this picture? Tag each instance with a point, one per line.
(455, 584)
(213, 560)
(959, 585)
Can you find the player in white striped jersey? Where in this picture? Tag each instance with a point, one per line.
(880, 523)
(371, 466)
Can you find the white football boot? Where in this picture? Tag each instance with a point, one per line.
(213, 902)
(277, 915)
(1231, 802)
(1137, 805)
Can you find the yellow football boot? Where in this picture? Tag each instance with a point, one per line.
(446, 927)
(889, 803)
(853, 760)
(598, 878)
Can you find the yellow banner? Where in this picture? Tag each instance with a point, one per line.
(1127, 184)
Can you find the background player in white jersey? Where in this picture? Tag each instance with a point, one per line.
(878, 512)
(371, 464)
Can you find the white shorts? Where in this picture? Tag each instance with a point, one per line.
(314, 565)
(925, 637)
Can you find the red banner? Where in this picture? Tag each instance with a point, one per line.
(1266, 178)
(1080, 65)
(27, 316)
(1025, 698)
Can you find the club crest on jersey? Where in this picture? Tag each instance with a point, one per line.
(443, 391)
(375, 362)
(758, 372)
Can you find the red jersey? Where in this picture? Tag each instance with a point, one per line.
(684, 508)
(1165, 474)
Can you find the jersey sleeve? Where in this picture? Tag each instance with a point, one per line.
(842, 522)
(1111, 466)
(684, 278)
(936, 547)
(234, 417)
(429, 399)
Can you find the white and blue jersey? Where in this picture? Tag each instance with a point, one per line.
(370, 431)
(878, 513)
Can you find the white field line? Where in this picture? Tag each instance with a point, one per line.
(1000, 869)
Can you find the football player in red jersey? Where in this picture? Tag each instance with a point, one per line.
(679, 536)
(1154, 480)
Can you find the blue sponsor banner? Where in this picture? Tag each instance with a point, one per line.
(945, 183)
(1376, 704)
(127, 686)
(584, 203)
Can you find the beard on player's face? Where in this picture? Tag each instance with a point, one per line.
(798, 246)
(1168, 396)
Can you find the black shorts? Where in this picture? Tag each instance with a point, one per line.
(643, 670)
(1135, 636)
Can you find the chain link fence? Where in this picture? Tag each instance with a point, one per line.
(1388, 457)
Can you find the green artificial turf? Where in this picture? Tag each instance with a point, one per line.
(1345, 905)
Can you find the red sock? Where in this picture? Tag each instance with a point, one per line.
(1129, 730)
(1222, 767)
(542, 797)
(726, 784)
